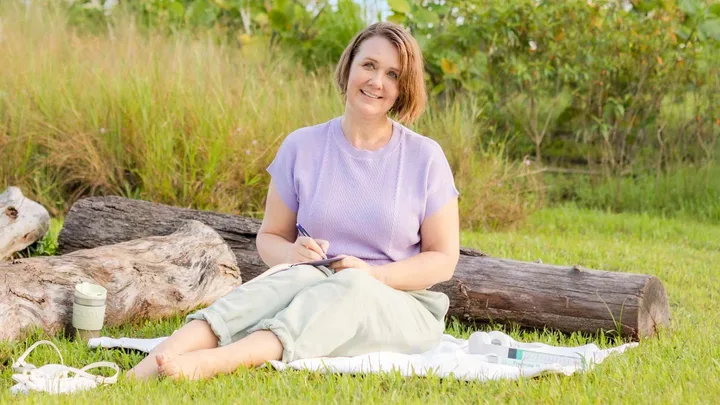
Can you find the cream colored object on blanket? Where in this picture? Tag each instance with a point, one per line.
(451, 357)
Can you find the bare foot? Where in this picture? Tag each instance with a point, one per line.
(145, 370)
(192, 366)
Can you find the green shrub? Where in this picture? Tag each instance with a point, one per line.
(581, 72)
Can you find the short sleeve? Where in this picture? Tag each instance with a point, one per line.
(282, 171)
(440, 182)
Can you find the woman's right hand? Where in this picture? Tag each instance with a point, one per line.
(307, 249)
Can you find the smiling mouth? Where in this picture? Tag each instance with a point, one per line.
(370, 95)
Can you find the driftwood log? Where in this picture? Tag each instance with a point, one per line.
(565, 298)
(146, 278)
(22, 222)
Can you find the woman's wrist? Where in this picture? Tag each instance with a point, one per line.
(273, 249)
(378, 273)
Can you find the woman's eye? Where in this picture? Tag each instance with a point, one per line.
(369, 65)
(393, 75)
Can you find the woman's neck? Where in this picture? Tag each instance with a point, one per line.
(363, 133)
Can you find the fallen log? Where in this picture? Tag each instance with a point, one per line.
(147, 278)
(565, 298)
(22, 222)
(98, 221)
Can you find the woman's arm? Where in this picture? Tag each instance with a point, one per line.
(275, 238)
(277, 232)
(439, 253)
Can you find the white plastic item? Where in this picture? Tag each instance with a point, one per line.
(57, 378)
(89, 307)
(502, 349)
(523, 357)
(496, 338)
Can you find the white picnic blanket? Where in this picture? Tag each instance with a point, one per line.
(451, 357)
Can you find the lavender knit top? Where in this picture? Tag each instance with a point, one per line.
(367, 204)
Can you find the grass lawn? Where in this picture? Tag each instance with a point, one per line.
(678, 366)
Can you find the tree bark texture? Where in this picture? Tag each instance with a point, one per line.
(148, 278)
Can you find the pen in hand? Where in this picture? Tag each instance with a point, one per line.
(303, 232)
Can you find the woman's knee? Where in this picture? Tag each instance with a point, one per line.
(357, 280)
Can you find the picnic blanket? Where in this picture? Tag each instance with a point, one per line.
(452, 357)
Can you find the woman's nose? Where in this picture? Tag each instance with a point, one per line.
(375, 80)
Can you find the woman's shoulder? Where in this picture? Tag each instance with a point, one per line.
(420, 146)
(308, 134)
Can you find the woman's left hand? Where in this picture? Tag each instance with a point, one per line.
(352, 262)
(349, 262)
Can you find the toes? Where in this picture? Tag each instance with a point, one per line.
(162, 358)
(165, 364)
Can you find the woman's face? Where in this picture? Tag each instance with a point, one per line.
(373, 81)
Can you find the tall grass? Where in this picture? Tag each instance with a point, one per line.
(186, 120)
(494, 191)
(690, 192)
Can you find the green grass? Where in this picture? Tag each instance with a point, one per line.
(678, 366)
(684, 192)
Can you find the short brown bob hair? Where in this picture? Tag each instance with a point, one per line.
(411, 100)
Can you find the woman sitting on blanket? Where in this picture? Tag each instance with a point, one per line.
(373, 192)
